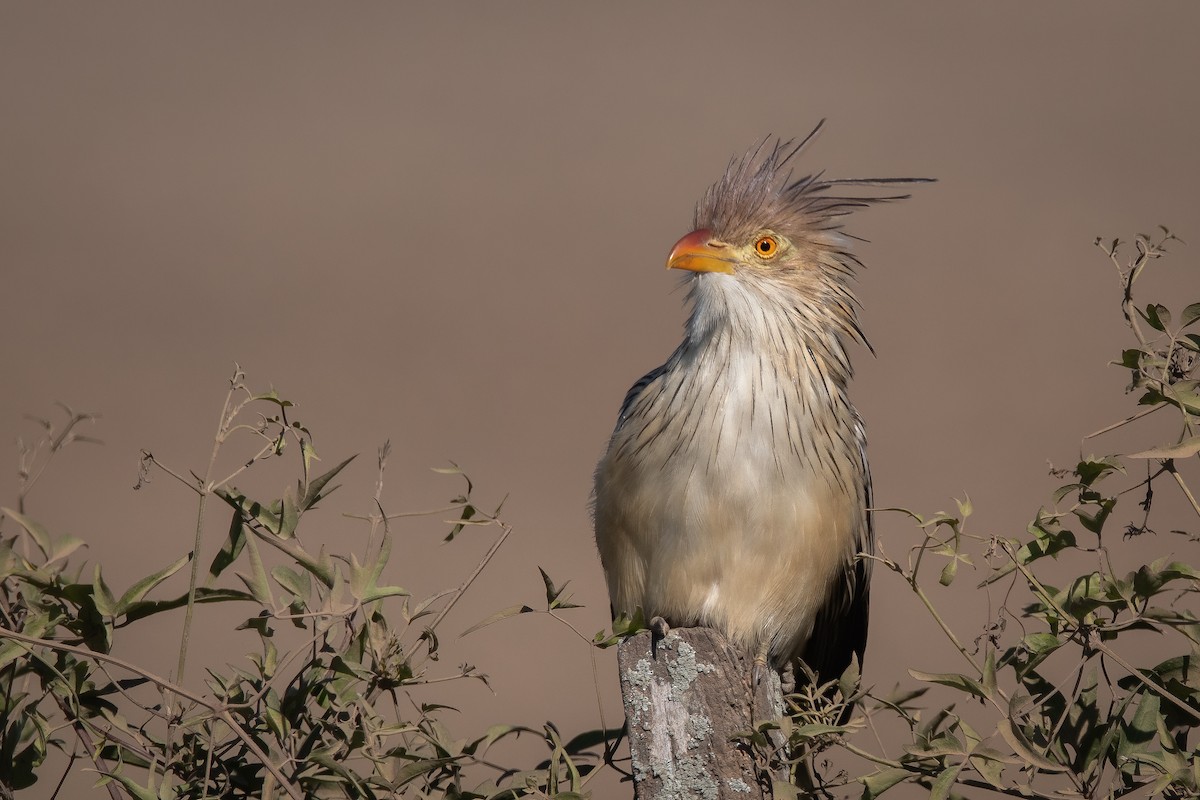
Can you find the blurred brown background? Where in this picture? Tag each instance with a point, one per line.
(446, 225)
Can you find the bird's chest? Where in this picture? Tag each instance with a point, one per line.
(745, 451)
(748, 424)
(729, 496)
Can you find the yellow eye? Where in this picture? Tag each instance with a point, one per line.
(766, 246)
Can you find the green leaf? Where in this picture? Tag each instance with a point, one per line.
(261, 624)
(314, 492)
(1157, 316)
(10, 651)
(1091, 470)
(504, 613)
(944, 782)
(554, 593)
(139, 590)
(1150, 579)
(137, 790)
(298, 583)
(289, 516)
(1041, 643)
(418, 768)
(309, 456)
(1141, 733)
(277, 723)
(815, 730)
(1189, 315)
(494, 734)
(951, 679)
(41, 537)
(257, 581)
(580, 742)
(465, 517)
(851, 678)
(273, 397)
(1152, 397)
(948, 572)
(102, 596)
(1085, 594)
(1184, 449)
(204, 594)
(380, 592)
(1095, 522)
(624, 625)
(965, 507)
(1130, 359)
(989, 767)
(879, 782)
(1047, 541)
(63, 547)
(1183, 397)
(252, 509)
(1017, 741)
(944, 745)
(363, 577)
(230, 549)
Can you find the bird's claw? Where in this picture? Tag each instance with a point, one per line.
(760, 665)
(658, 631)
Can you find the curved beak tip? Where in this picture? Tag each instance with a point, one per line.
(696, 253)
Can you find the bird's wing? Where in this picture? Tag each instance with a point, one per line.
(632, 395)
(840, 628)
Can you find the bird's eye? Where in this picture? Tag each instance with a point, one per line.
(766, 246)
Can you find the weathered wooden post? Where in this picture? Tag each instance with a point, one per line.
(686, 696)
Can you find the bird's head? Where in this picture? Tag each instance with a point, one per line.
(762, 228)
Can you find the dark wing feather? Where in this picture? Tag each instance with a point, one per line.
(840, 629)
(632, 395)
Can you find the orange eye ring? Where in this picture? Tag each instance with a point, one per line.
(766, 246)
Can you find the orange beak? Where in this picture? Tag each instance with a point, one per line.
(698, 253)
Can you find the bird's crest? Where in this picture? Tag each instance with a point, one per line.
(757, 192)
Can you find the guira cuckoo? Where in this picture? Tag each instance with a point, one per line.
(735, 492)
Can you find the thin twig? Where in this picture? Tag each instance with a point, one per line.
(193, 580)
(483, 562)
(1139, 675)
(218, 709)
(1131, 418)
(1184, 487)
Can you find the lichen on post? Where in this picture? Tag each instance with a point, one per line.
(687, 698)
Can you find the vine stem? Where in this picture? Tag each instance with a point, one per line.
(1186, 491)
(911, 579)
(1152, 685)
(204, 490)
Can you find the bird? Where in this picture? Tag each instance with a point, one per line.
(734, 492)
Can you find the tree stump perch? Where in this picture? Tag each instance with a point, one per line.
(686, 697)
